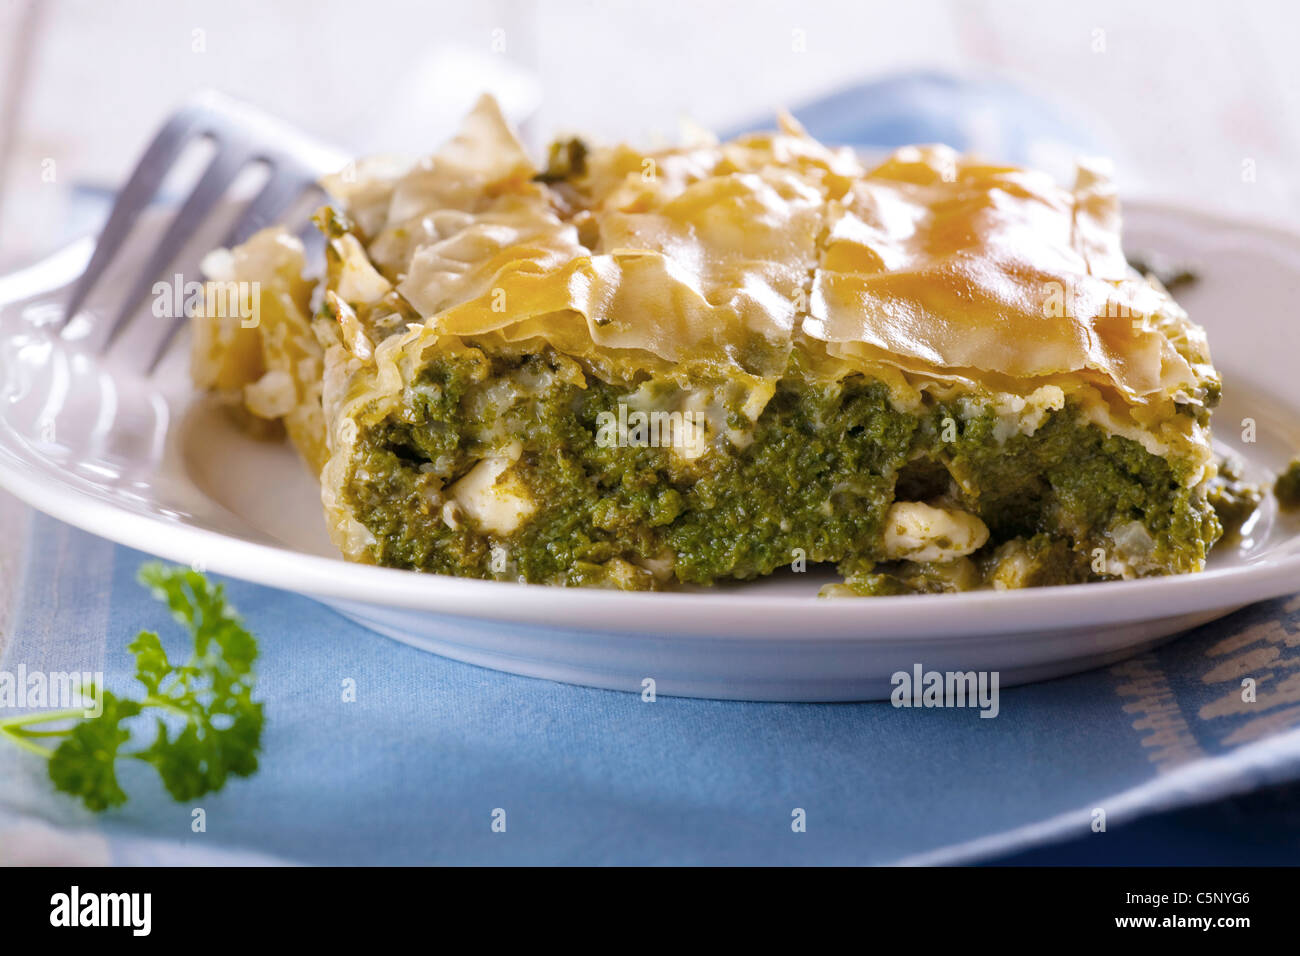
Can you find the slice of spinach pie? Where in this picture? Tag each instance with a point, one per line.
(692, 365)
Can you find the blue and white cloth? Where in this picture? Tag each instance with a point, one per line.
(418, 766)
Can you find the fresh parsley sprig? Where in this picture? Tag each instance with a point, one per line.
(207, 725)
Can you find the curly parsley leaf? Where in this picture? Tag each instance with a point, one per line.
(84, 764)
(207, 727)
(151, 664)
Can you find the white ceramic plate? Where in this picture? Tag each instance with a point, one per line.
(139, 460)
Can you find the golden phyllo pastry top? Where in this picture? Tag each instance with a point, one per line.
(936, 264)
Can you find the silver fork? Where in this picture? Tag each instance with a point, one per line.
(242, 135)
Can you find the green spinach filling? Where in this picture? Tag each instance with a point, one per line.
(812, 480)
(1287, 487)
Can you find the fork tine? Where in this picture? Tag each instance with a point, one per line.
(134, 197)
(242, 134)
(279, 194)
(211, 187)
(176, 325)
(280, 191)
